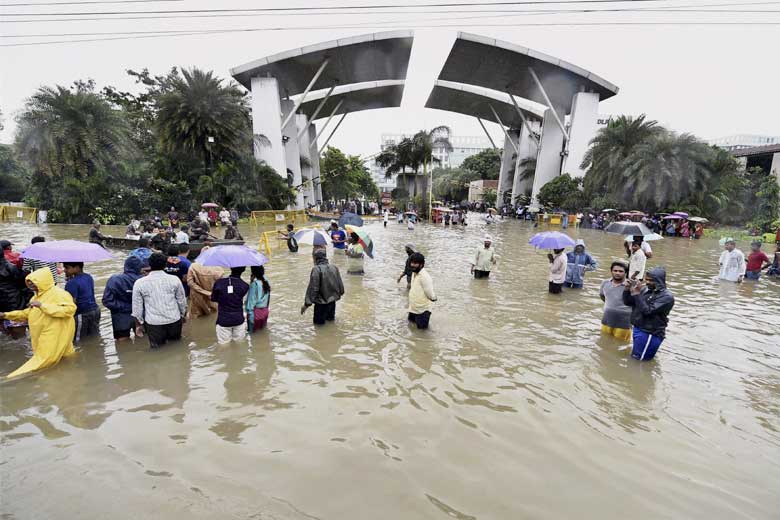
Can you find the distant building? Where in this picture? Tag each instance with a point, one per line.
(765, 157)
(477, 189)
(742, 141)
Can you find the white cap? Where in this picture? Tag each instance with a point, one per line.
(488, 238)
(333, 221)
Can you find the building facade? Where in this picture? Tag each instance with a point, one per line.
(742, 141)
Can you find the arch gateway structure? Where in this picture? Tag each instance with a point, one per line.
(491, 80)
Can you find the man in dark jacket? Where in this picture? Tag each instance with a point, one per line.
(325, 289)
(650, 304)
(11, 296)
(118, 297)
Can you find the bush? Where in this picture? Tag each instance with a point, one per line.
(563, 192)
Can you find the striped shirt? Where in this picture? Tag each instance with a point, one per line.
(158, 299)
(30, 265)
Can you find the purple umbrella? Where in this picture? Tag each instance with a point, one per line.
(231, 256)
(551, 240)
(66, 251)
(673, 217)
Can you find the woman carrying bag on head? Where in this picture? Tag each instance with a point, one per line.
(258, 299)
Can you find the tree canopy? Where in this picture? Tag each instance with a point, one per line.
(345, 177)
(485, 164)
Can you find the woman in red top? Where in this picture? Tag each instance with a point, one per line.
(757, 261)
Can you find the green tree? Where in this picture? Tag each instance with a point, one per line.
(485, 164)
(13, 176)
(767, 206)
(345, 177)
(76, 146)
(489, 197)
(562, 192)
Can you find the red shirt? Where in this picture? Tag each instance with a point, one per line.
(13, 257)
(756, 261)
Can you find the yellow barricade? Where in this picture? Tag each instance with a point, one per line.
(267, 238)
(19, 213)
(281, 216)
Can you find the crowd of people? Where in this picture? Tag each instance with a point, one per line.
(160, 289)
(175, 230)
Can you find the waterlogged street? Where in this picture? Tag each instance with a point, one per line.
(511, 406)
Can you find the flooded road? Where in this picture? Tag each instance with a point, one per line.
(511, 406)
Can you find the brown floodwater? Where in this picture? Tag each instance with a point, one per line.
(511, 406)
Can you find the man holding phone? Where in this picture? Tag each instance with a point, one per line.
(651, 302)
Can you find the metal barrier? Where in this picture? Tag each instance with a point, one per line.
(282, 216)
(23, 213)
(267, 238)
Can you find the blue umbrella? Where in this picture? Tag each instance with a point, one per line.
(551, 240)
(350, 218)
(231, 256)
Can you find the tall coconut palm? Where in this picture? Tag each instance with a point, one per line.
(73, 142)
(200, 116)
(665, 170)
(610, 149)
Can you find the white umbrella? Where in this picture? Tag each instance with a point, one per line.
(312, 237)
(647, 238)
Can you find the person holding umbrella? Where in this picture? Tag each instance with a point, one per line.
(50, 317)
(355, 255)
(228, 294)
(337, 236)
(324, 290)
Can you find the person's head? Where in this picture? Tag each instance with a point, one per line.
(755, 246)
(40, 280)
(133, 265)
(730, 244)
(320, 257)
(619, 270)
(143, 242)
(417, 262)
(236, 272)
(157, 261)
(173, 209)
(173, 250)
(410, 250)
(580, 247)
(96, 224)
(5, 245)
(635, 246)
(35, 240)
(558, 251)
(487, 240)
(73, 268)
(185, 228)
(655, 279)
(354, 238)
(639, 238)
(334, 225)
(184, 249)
(290, 227)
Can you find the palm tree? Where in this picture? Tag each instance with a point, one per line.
(74, 142)
(200, 116)
(610, 149)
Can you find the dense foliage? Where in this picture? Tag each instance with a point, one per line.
(13, 176)
(184, 139)
(345, 177)
(452, 184)
(485, 164)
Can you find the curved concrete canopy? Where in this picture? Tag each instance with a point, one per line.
(503, 66)
(358, 59)
(476, 102)
(354, 98)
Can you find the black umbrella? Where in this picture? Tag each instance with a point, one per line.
(629, 228)
(351, 219)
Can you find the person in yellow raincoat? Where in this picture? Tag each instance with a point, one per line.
(50, 317)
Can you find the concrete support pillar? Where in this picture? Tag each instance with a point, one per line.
(292, 152)
(507, 172)
(267, 124)
(775, 168)
(548, 160)
(315, 165)
(528, 150)
(306, 170)
(582, 128)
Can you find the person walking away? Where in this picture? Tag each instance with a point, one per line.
(228, 294)
(159, 304)
(355, 255)
(385, 217)
(484, 259)
(324, 290)
(12, 298)
(142, 251)
(558, 262)
(616, 320)
(232, 233)
(178, 264)
(173, 218)
(201, 280)
(757, 261)
(421, 294)
(637, 262)
(337, 236)
(732, 262)
(258, 300)
(29, 264)
(644, 244)
(650, 304)
(183, 236)
(95, 236)
(577, 263)
(81, 287)
(407, 272)
(11, 255)
(292, 244)
(50, 318)
(118, 297)
(774, 269)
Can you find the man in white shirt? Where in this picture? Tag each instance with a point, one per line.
(182, 235)
(646, 249)
(732, 262)
(636, 268)
(484, 259)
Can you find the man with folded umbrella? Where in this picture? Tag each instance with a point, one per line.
(324, 290)
(650, 302)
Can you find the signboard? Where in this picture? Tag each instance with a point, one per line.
(280, 217)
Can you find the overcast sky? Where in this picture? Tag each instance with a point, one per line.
(712, 80)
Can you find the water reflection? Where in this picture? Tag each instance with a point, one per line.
(511, 386)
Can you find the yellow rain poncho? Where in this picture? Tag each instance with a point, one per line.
(51, 325)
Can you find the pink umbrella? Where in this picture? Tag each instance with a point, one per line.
(209, 205)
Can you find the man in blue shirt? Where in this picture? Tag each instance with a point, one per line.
(339, 236)
(142, 251)
(82, 287)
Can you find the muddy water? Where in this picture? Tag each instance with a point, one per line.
(510, 406)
